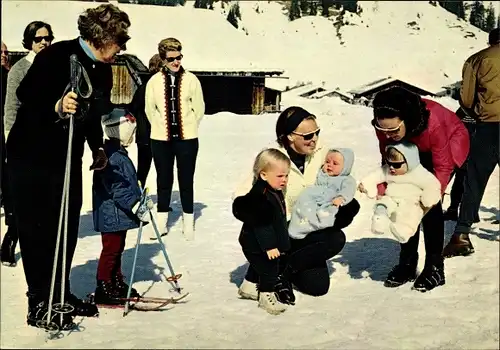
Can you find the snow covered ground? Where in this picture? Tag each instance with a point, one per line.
(358, 312)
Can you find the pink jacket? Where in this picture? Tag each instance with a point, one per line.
(445, 137)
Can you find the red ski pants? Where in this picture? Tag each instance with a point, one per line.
(113, 244)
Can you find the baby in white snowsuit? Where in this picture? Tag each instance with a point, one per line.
(409, 187)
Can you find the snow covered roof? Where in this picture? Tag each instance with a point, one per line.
(209, 43)
(364, 89)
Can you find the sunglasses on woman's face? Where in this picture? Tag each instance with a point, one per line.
(395, 165)
(172, 59)
(309, 136)
(47, 38)
(388, 131)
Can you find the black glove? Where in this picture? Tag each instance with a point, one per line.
(254, 208)
(100, 160)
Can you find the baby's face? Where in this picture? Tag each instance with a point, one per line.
(397, 167)
(334, 163)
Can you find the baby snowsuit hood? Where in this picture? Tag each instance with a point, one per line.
(410, 153)
(348, 154)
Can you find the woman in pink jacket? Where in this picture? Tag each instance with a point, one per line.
(443, 143)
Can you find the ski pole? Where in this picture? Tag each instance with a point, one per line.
(131, 281)
(174, 277)
(62, 230)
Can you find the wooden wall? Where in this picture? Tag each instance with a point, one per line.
(124, 86)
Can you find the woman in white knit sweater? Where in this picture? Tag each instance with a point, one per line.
(174, 107)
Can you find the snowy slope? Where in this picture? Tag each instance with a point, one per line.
(208, 41)
(357, 313)
(377, 44)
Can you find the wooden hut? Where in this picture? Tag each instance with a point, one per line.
(240, 92)
(368, 91)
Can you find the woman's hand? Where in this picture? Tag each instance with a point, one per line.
(69, 103)
(338, 201)
(273, 253)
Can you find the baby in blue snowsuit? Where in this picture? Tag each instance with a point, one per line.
(317, 205)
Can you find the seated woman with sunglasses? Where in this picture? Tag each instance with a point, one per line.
(443, 144)
(411, 189)
(305, 264)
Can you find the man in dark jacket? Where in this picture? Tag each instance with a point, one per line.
(142, 135)
(480, 98)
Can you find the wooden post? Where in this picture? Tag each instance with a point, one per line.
(278, 101)
(258, 95)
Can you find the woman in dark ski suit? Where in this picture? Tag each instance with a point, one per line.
(37, 146)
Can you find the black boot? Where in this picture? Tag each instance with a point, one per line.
(432, 275)
(8, 250)
(121, 287)
(82, 307)
(459, 245)
(405, 271)
(106, 293)
(284, 291)
(38, 312)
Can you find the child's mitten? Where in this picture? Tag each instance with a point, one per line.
(141, 210)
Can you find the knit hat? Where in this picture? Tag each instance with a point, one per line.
(119, 124)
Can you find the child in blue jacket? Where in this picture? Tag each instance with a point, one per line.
(116, 197)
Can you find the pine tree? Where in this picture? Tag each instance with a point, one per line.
(455, 7)
(201, 4)
(294, 11)
(349, 5)
(325, 7)
(460, 10)
(490, 20)
(304, 6)
(313, 7)
(477, 15)
(234, 14)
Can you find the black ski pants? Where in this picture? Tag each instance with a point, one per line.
(37, 203)
(184, 152)
(305, 264)
(484, 156)
(457, 188)
(144, 160)
(433, 227)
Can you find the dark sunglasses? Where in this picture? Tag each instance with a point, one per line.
(395, 165)
(172, 59)
(308, 136)
(47, 38)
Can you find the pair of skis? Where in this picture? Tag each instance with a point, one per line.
(141, 303)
